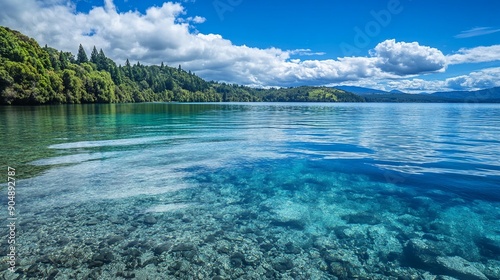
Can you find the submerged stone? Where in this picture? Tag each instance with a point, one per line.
(126, 274)
(283, 265)
(361, 218)
(293, 224)
(52, 274)
(419, 254)
(489, 247)
(114, 239)
(290, 248)
(158, 250)
(175, 266)
(183, 247)
(238, 259)
(150, 220)
(458, 267)
(266, 247)
(101, 258)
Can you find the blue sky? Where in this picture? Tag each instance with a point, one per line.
(409, 45)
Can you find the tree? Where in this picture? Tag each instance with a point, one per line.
(63, 60)
(93, 56)
(102, 61)
(82, 56)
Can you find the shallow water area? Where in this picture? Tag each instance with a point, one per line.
(255, 191)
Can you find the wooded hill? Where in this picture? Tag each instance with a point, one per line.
(31, 75)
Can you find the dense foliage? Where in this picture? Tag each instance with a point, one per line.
(30, 74)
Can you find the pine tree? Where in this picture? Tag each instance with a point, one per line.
(93, 56)
(128, 69)
(82, 56)
(101, 61)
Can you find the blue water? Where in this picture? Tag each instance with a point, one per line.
(255, 191)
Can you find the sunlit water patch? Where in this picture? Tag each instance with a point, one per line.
(256, 191)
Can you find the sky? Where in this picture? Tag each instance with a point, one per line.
(408, 45)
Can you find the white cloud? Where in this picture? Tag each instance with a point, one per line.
(416, 85)
(475, 55)
(486, 78)
(402, 58)
(305, 52)
(167, 34)
(478, 31)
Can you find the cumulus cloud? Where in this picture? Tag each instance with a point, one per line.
(167, 34)
(402, 58)
(476, 80)
(486, 78)
(475, 55)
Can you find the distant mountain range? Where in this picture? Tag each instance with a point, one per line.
(361, 90)
(374, 95)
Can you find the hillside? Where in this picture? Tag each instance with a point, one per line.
(491, 95)
(484, 95)
(30, 75)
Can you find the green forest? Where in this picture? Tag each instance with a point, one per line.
(32, 75)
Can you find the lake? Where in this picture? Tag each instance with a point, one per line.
(253, 191)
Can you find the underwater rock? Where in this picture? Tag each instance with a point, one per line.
(224, 249)
(45, 259)
(361, 218)
(131, 244)
(419, 254)
(183, 247)
(158, 250)
(488, 247)
(149, 220)
(126, 274)
(290, 248)
(92, 222)
(492, 270)
(34, 271)
(101, 258)
(153, 261)
(175, 266)
(266, 247)
(114, 239)
(63, 241)
(237, 259)
(291, 215)
(458, 267)
(293, 224)
(117, 220)
(211, 238)
(340, 232)
(283, 265)
(52, 274)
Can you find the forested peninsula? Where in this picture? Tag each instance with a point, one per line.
(33, 75)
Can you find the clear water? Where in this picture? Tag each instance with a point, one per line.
(254, 191)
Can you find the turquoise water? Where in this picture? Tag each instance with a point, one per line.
(254, 191)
